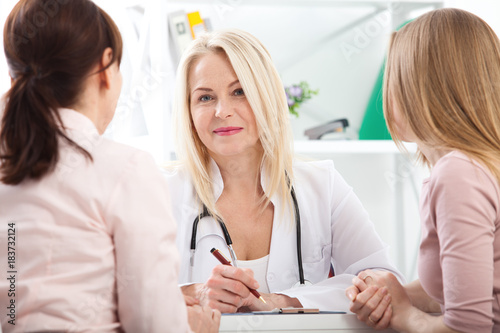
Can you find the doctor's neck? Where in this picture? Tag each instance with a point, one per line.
(241, 170)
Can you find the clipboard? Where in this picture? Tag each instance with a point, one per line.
(279, 311)
(298, 310)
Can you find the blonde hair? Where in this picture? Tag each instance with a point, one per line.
(442, 74)
(266, 95)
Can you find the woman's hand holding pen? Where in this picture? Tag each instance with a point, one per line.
(231, 289)
(227, 289)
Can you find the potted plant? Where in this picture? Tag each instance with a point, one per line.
(296, 94)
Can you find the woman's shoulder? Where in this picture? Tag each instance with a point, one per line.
(116, 155)
(307, 165)
(457, 164)
(319, 168)
(458, 170)
(174, 169)
(319, 174)
(176, 174)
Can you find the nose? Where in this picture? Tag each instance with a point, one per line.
(223, 109)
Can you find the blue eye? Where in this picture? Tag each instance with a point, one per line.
(205, 98)
(239, 92)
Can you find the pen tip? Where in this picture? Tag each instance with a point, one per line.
(262, 299)
(212, 250)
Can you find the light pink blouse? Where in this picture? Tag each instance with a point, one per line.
(94, 243)
(459, 264)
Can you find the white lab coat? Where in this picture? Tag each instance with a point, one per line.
(335, 230)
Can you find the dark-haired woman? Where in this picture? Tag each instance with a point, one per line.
(85, 227)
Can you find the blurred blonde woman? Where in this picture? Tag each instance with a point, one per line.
(236, 164)
(442, 92)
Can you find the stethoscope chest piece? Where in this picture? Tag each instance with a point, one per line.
(306, 283)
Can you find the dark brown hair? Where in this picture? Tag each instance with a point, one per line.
(51, 48)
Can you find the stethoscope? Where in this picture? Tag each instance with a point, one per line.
(229, 242)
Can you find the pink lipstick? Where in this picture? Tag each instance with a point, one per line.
(224, 131)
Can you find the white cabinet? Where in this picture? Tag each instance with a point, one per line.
(387, 183)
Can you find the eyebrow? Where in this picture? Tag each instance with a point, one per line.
(235, 82)
(202, 89)
(208, 89)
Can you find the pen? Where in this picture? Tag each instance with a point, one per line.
(224, 261)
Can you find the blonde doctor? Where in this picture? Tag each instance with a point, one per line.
(284, 223)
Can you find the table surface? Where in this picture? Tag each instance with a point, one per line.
(294, 323)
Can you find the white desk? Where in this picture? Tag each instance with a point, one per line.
(293, 323)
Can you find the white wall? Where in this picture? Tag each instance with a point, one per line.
(488, 10)
(306, 44)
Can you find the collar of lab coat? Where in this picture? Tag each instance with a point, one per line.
(218, 182)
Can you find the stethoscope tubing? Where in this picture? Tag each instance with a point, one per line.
(229, 242)
(299, 236)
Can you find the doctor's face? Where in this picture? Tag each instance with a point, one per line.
(221, 114)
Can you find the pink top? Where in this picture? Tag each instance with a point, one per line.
(94, 243)
(459, 264)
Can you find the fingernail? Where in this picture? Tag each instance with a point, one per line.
(384, 290)
(350, 294)
(256, 285)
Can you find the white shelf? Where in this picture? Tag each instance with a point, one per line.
(328, 147)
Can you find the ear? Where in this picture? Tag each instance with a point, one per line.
(106, 74)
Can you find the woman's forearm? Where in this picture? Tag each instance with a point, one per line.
(417, 321)
(420, 299)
